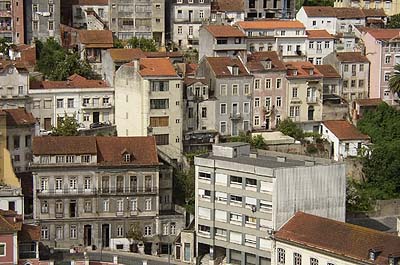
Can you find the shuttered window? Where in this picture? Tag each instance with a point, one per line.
(159, 121)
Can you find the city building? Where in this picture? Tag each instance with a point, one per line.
(149, 101)
(287, 37)
(331, 80)
(345, 139)
(227, 11)
(21, 128)
(269, 9)
(382, 50)
(185, 20)
(89, 101)
(231, 87)
(354, 69)
(243, 197)
(90, 14)
(42, 19)
(144, 19)
(92, 191)
(12, 21)
(14, 84)
(269, 93)
(319, 44)
(304, 94)
(361, 106)
(307, 238)
(221, 40)
(391, 8)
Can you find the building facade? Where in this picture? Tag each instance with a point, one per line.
(269, 9)
(319, 44)
(12, 21)
(14, 81)
(93, 191)
(82, 10)
(242, 198)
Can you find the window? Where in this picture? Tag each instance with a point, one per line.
(265, 206)
(60, 159)
(289, 48)
(235, 217)
(88, 206)
(326, 44)
(246, 89)
(346, 147)
(59, 184)
(235, 89)
(294, 92)
(222, 108)
(44, 207)
(162, 139)
(221, 196)
(387, 76)
(159, 103)
(345, 83)
(73, 232)
(360, 83)
(106, 205)
(296, 259)
(44, 184)
(222, 127)
(388, 59)
(281, 256)
(346, 67)
(165, 229)
(256, 120)
(134, 205)
(256, 102)
(51, 25)
(17, 158)
(251, 182)
(268, 103)
(283, 33)
(120, 231)
(70, 159)
(159, 121)
(59, 207)
(20, 90)
(59, 232)
(257, 84)
(313, 261)
(361, 67)
(60, 103)
(44, 233)
(201, 14)
(250, 240)
(173, 228)
(314, 22)
(236, 199)
(236, 180)
(204, 112)
(278, 101)
(85, 158)
(268, 83)
(250, 220)
(148, 205)
(147, 230)
(246, 107)
(311, 45)
(223, 89)
(16, 139)
(179, 29)
(73, 183)
(220, 232)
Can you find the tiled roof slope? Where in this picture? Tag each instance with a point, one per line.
(344, 130)
(369, 101)
(318, 34)
(64, 145)
(220, 66)
(338, 238)
(227, 6)
(74, 81)
(254, 61)
(328, 70)
(126, 55)
(342, 12)
(156, 67)
(303, 70)
(93, 2)
(355, 57)
(271, 24)
(383, 34)
(100, 38)
(224, 31)
(19, 117)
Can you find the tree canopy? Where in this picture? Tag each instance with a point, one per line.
(58, 64)
(67, 126)
(288, 127)
(394, 21)
(146, 45)
(394, 81)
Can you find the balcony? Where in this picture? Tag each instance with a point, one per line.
(392, 49)
(312, 100)
(229, 46)
(100, 191)
(235, 116)
(96, 106)
(319, 50)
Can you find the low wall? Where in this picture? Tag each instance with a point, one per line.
(382, 208)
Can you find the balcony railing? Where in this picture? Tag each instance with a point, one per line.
(235, 116)
(96, 106)
(230, 46)
(99, 191)
(312, 100)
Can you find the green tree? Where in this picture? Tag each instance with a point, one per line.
(58, 64)
(147, 45)
(394, 81)
(394, 21)
(184, 188)
(67, 126)
(118, 43)
(135, 233)
(4, 46)
(258, 142)
(288, 127)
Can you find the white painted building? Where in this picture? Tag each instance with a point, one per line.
(14, 83)
(310, 239)
(319, 44)
(344, 137)
(318, 18)
(82, 10)
(11, 198)
(91, 101)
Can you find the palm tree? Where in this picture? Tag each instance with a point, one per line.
(394, 81)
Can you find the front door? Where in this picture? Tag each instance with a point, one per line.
(105, 235)
(87, 235)
(96, 117)
(47, 124)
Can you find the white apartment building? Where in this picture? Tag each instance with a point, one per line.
(149, 99)
(243, 197)
(14, 83)
(82, 11)
(287, 37)
(319, 44)
(90, 101)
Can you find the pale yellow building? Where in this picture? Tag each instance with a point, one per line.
(390, 7)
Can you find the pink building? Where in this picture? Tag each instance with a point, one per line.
(269, 95)
(382, 48)
(12, 21)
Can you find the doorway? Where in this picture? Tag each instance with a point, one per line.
(105, 235)
(87, 235)
(47, 124)
(96, 117)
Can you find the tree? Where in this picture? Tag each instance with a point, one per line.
(146, 45)
(394, 81)
(58, 64)
(118, 43)
(288, 127)
(394, 21)
(4, 46)
(67, 126)
(184, 188)
(135, 233)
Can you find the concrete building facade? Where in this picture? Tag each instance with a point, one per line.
(12, 21)
(242, 198)
(82, 10)
(14, 83)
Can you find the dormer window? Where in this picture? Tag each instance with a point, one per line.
(294, 72)
(373, 253)
(127, 158)
(311, 72)
(268, 64)
(235, 70)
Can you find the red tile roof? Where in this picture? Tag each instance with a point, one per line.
(109, 150)
(344, 130)
(351, 57)
(383, 34)
(328, 70)
(224, 31)
(29, 233)
(227, 6)
(74, 81)
(255, 59)
(220, 66)
(19, 117)
(157, 67)
(19, 65)
(96, 38)
(93, 2)
(163, 54)
(319, 11)
(369, 101)
(338, 238)
(342, 12)
(126, 55)
(318, 34)
(302, 70)
(190, 81)
(271, 24)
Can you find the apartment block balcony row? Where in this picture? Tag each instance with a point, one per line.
(100, 191)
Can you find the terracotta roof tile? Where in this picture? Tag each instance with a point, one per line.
(96, 38)
(319, 11)
(20, 65)
(355, 57)
(74, 81)
(383, 34)
(271, 24)
(142, 149)
(220, 66)
(29, 233)
(372, 12)
(319, 34)
(342, 12)
(302, 70)
(64, 145)
(19, 117)
(126, 55)
(338, 238)
(93, 2)
(5, 226)
(328, 70)
(349, 12)
(157, 67)
(344, 130)
(227, 6)
(163, 54)
(224, 31)
(255, 59)
(189, 81)
(369, 101)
